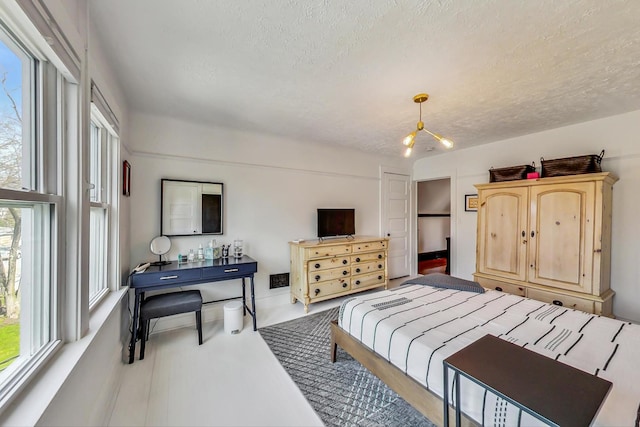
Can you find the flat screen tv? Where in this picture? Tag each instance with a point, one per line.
(336, 222)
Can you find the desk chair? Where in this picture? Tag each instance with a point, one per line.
(167, 305)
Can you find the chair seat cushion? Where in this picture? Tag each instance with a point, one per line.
(171, 303)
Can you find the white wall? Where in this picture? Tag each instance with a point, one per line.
(618, 135)
(434, 196)
(272, 188)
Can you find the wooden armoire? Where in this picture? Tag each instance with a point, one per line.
(548, 239)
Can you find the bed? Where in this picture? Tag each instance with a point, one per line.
(402, 335)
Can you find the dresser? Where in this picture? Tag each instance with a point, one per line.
(548, 239)
(321, 270)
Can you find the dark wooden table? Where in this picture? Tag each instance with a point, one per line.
(551, 391)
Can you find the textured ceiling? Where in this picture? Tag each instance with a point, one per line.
(345, 72)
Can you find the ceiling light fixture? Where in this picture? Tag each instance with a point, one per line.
(410, 139)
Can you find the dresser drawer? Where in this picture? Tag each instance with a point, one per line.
(369, 246)
(334, 273)
(323, 264)
(367, 257)
(501, 286)
(320, 290)
(561, 300)
(324, 251)
(230, 270)
(157, 278)
(366, 267)
(367, 280)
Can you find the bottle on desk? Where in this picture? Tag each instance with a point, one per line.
(237, 248)
(208, 251)
(192, 256)
(200, 253)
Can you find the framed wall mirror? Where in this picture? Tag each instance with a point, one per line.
(190, 208)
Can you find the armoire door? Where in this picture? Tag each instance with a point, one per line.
(561, 235)
(502, 232)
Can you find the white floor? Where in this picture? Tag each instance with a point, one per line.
(231, 380)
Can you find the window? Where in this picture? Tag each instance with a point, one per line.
(29, 212)
(103, 146)
(58, 241)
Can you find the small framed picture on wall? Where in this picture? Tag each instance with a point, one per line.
(126, 178)
(471, 202)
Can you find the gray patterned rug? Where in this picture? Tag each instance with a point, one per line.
(342, 393)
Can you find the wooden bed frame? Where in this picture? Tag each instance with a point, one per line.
(427, 403)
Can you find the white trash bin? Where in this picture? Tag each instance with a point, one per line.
(233, 319)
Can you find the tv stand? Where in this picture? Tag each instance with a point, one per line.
(322, 270)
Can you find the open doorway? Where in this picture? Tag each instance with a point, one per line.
(434, 226)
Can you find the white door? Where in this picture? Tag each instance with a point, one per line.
(395, 221)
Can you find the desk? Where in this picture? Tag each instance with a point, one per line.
(555, 393)
(175, 275)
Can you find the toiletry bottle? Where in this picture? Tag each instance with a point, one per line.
(179, 258)
(208, 251)
(200, 252)
(191, 257)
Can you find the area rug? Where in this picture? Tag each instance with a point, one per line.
(342, 393)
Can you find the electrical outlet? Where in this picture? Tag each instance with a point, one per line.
(278, 280)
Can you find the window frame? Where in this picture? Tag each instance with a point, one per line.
(105, 198)
(43, 113)
(19, 374)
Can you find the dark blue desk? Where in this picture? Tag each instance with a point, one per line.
(175, 275)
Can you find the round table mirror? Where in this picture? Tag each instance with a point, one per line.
(160, 245)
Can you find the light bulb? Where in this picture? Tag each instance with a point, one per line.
(409, 139)
(407, 152)
(446, 143)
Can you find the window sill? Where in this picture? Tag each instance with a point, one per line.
(30, 403)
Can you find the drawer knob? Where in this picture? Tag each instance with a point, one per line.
(498, 288)
(317, 291)
(317, 265)
(379, 265)
(557, 302)
(357, 282)
(357, 270)
(317, 278)
(344, 285)
(379, 277)
(358, 259)
(379, 256)
(345, 272)
(344, 261)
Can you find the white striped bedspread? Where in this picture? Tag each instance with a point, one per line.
(415, 327)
